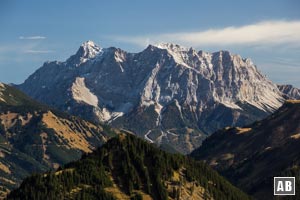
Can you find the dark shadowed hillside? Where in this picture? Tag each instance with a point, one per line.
(251, 156)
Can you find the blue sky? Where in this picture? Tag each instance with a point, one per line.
(267, 31)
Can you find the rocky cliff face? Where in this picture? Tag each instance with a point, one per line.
(289, 91)
(166, 93)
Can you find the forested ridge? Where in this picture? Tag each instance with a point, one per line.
(127, 167)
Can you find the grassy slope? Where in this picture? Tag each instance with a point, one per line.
(36, 138)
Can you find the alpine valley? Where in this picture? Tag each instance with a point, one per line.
(184, 95)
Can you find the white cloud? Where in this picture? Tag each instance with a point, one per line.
(39, 51)
(36, 37)
(262, 33)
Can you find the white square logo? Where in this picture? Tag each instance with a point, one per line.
(284, 185)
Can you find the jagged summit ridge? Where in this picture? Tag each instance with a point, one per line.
(212, 66)
(171, 46)
(90, 49)
(87, 51)
(289, 91)
(205, 91)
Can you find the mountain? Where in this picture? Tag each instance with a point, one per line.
(251, 156)
(129, 168)
(289, 91)
(183, 94)
(36, 138)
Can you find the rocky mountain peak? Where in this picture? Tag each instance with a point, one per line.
(289, 91)
(222, 53)
(206, 91)
(87, 50)
(171, 47)
(88, 43)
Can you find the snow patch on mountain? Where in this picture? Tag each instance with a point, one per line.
(105, 115)
(91, 50)
(179, 108)
(158, 109)
(88, 51)
(2, 88)
(177, 52)
(147, 137)
(83, 94)
(119, 57)
(151, 88)
(172, 47)
(229, 104)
